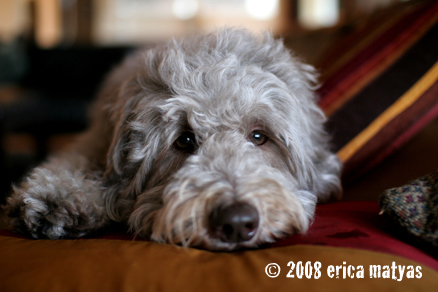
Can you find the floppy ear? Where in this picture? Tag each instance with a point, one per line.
(133, 115)
(322, 167)
(116, 107)
(327, 166)
(122, 136)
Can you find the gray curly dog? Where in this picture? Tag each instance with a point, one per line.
(213, 141)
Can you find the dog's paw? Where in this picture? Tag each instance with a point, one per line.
(48, 218)
(55, 206)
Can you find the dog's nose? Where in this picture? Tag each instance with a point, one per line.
(235, 223)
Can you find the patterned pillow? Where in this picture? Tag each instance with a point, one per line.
(414, 207)
(381, 85)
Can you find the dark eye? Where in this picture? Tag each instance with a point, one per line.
(186, 142)
(258, 138)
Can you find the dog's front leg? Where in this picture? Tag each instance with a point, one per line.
(59, 199)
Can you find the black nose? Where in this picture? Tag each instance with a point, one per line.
(235, 223)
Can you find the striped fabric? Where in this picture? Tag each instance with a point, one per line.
(384, 88)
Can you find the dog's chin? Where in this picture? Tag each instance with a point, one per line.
(217, 245)
(258, 242)
(210, 242)
(220, 246)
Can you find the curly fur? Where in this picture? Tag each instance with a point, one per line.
(126, 168)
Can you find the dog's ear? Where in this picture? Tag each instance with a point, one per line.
(124, 137)
(321, 168)
(132, 116)
(120, 167)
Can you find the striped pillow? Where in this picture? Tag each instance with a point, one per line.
(381, 86)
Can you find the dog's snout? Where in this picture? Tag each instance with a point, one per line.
(235, 223)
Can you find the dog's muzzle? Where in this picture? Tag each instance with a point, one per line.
(235, 223)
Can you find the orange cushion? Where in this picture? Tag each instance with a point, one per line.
(114, 262)
(118, 265)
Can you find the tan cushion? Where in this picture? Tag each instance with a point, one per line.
(118, 265)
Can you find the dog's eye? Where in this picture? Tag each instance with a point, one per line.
(258, 138)
(186, 142)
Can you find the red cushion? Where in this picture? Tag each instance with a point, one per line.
(358, 225)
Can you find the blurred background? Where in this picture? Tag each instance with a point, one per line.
(54, 54)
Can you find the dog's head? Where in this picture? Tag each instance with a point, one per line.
(218, 143)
